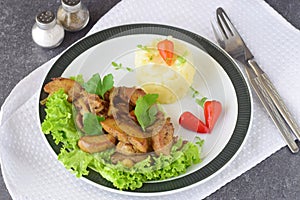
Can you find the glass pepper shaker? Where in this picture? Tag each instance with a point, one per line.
(73, 15)
(46, 32)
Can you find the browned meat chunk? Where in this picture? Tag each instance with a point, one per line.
(130, 94)
(81, 106)
(158, 124)
(163, 140)
(136, 94)
(96, 143)
(90, 103)
(79, 122)
(59, 83)
(125, 95)
(141, 144)
(111, 127)
(96, 105)
(75, 92)
(120, 111)
(126, 148)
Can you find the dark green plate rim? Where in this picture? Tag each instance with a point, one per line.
(229, 66)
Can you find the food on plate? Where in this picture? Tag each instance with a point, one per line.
(59, 83)
(164, 67)
(96, 143)
(166, 51)
(212, 110)
(189, 121)
(120, 132)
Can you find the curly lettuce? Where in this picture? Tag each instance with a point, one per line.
(59, 120)
(60, 124)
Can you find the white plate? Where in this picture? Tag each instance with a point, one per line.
(216, 78)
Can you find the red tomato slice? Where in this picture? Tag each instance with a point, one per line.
(212, 111)
(189, 121)
(166, 50)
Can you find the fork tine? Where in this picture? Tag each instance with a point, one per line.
(228, 23)
(223, 23)
(219, 38)
(220, 27)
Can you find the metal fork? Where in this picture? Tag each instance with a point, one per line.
(231, 41)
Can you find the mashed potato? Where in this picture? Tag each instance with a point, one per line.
(155, 76)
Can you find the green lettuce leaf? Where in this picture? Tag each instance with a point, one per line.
(76, 161)
(59, 120)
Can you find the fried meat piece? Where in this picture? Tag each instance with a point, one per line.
(96, 104)
(126, 148)
(130, 94)
(125, 95)
(75, 92)
(111, 127)
(59, 83)
(163, 140)
(141, 144)
(138, 143)
(96, 143)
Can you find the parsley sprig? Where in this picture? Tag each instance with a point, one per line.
(145, 110)
(91, 124)
(97, 86)
(145, 48)
(196, 93)
(180, 60)
(119, 66)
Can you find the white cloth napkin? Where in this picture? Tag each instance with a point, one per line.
(30, 171)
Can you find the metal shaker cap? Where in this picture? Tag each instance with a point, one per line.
(71, 5)
(45, 20)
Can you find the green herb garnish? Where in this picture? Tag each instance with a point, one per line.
(96, 86)
(119, 66)
(91, 124)
(201, 102)
(180, 60)
(195, 92)
(79, 79)
(199, 142)
(145, 48)
(145, 110)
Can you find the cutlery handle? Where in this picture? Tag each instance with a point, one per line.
(276, 98)
(272, 111)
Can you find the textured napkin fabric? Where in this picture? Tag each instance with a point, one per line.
(31, 171)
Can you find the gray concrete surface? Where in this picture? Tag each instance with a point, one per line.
(278, 177)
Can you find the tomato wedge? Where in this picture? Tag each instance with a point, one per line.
(189, 121)
(166, 50)
(212, 111)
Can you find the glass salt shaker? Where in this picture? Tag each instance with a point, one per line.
(73, 15)
(46, 32)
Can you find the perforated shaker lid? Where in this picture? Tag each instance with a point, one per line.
(45, 20)
(71, 5)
